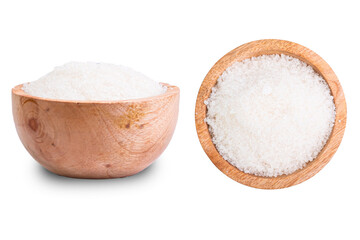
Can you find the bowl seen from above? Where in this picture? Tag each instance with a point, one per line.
(255, 49)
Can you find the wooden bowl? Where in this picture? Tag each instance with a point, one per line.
(267, 47)
(100, 139)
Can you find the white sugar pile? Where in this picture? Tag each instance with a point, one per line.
(93, 81)
(270, 115)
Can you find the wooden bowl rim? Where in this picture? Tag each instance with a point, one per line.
(268, 47)
(170, 91)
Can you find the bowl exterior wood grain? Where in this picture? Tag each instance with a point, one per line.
(102, 139)
(268, 47)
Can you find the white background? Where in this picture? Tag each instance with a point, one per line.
(182, 195)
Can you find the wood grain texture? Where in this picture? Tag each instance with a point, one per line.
(102, 139)
(267, 47)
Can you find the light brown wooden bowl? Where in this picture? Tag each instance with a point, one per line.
(267, 47)
(100, 139)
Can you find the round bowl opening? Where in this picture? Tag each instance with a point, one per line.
(269, 47)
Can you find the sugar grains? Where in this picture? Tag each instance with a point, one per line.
(270, 115)
(93, 81)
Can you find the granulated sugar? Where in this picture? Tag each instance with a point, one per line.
(93, 81)
(270, 115)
